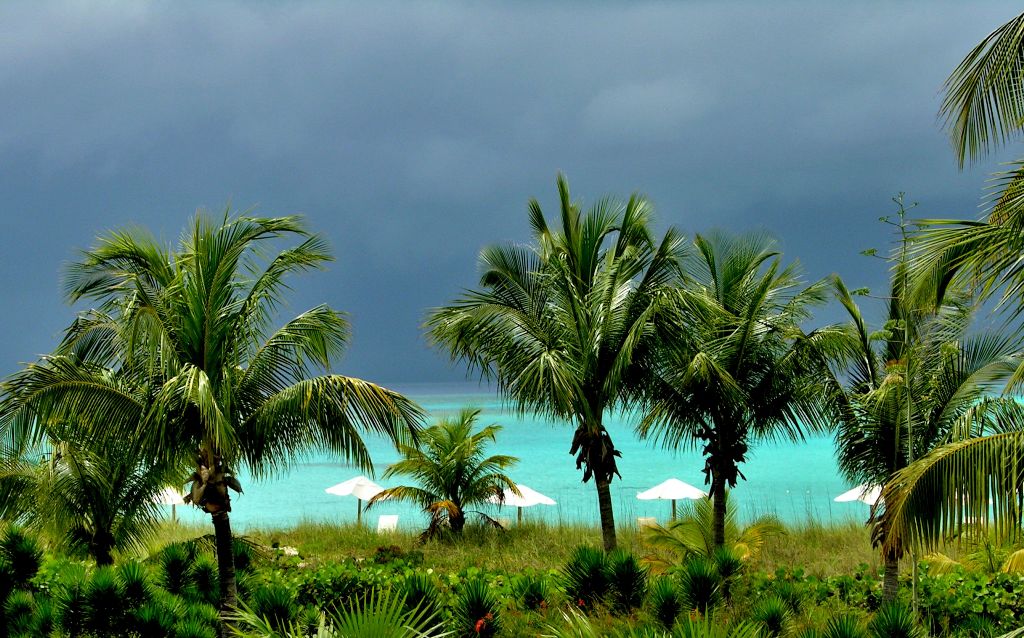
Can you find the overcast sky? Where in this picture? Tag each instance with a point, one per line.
(412, 134)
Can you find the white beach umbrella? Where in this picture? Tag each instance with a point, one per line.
(671, 490)
(869, 494)
(527, 498)
(172, 497)
(360, 487)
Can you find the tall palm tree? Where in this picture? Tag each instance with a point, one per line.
(976, 476)
(451, 471)
(920, 381)
(730, 370)
(90, 500)
(564, 326)
(201, 371)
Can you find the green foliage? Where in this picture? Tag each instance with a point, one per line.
(531, 590)
(275, 603)
(71, 608)
(585, 576)
(19, 613)
(104, 602)
(205, 580)
(476, 611)
(700, 584)
(627, 582)
(664, 601)
(706, 627)
(844, 626)
(420, 592)
(772, 613)
(154, 619)
(176, 562)
(194, 628)
(136, 586)
(22, 555)
(894, 620)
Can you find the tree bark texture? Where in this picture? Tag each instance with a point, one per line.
(225, 567)
(604, 502)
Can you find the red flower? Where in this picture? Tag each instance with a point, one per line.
(480, 624)
(489, 616)
(580, 603)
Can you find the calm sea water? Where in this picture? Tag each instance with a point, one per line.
(795, 481)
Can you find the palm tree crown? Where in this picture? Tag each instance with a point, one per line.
(564, 325)
(451, 471)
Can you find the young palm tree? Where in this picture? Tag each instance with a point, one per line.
(730, 370)
(452, 472)
(564, 326)
(200, 369)
(921, 381)
(91, 501)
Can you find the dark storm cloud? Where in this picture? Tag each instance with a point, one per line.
(412, 134)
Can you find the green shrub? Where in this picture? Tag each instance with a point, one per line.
(176, 568)
(275, 602)
(894, 620)
(104, 602)
(135, 584)
(154, 619)
(585, 576)
(772, 613)
(844, 626)
(627, 582)
(70, 607)
(531, 591)
(244, 554)
(205, 580)
(420, 592)
(700, 584)
(22, 554)
(728, 564)
(194, 628)
(475, 612)
(19, 611)
(665, 603)
(42, 618)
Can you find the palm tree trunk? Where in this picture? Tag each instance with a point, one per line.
(604, 503)
(458, 522)
(890, 577)
(225, 566)
(719, 503)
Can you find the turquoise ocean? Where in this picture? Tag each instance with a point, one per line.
(796, 481)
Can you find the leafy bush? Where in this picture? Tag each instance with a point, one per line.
(22, 555)
(894, 620)
(194, 628)
(772, 613)
(665, 603)
(19, 611)
(104, 602)
(276, 603)
(70, 606)
(154, 619)
(585, 576)
(531, 591)
(176, 567)
(627, 582)
(136, 587)
(700, 583)
(475, 612)
(420, 592)
(844, 626)
(205, 580)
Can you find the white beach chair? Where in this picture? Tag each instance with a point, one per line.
(646, 521)
(387, 523)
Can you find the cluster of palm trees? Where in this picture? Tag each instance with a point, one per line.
(179, 368)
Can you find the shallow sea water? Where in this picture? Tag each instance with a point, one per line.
(795, 481)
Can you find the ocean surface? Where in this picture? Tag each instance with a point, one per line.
(796, 481)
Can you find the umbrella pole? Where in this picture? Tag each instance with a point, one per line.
(359, 511)
(174, 515)
(673, 509)
(519, 516)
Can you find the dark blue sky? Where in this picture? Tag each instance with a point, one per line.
(412, 134)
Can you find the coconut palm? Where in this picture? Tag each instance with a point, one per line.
(201, 370)
(730, 370)
(692, 534)
(564, 326)
(451, 471)
(920, 381)
(91, 502)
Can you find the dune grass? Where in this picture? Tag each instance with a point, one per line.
(823, 550)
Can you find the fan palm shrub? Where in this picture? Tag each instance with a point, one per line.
(565, 325)
(94, 498)
(844, 626)
(700, 584)
(275, 603)
(18, 614)
(452, 471)
(205, 374)
(895, 620)
(664, 602)
(420, 592)
(627, 582)
(476, 611)
(22, 555)
(584, 577)
(531, 590)
(731, 369)
(773, 614)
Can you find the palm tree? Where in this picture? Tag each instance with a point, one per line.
(93, 501)
(730, 371)
(452, 472)
(564, 326)
(200, 369)
(919, 382)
